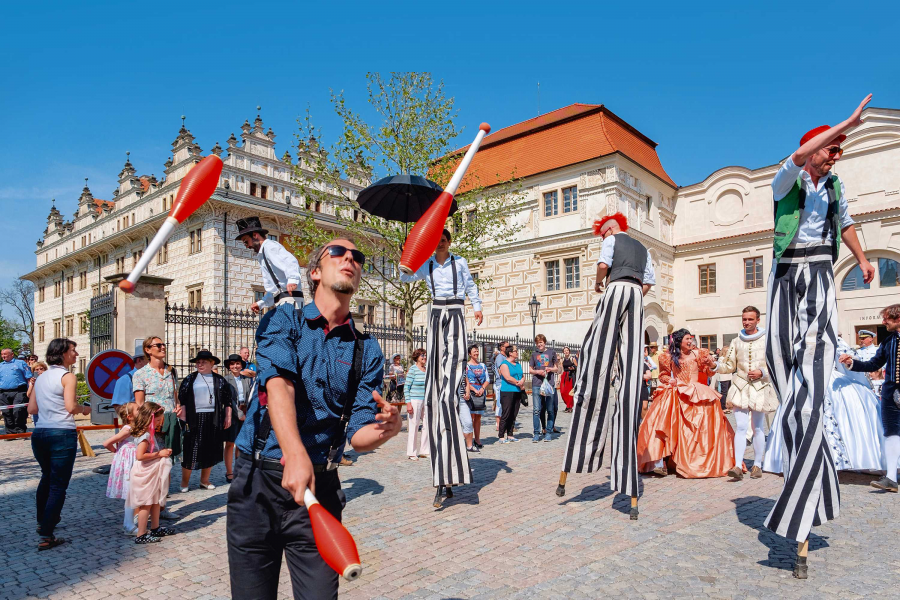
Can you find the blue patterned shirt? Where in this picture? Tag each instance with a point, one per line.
(325, 359)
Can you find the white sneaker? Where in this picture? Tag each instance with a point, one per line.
(207, 487)
(184, 490)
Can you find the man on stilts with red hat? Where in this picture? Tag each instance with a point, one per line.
(811, 218)
(615, 336)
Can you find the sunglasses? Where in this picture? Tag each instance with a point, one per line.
(160, 346)
(337, 251)
(835, 151)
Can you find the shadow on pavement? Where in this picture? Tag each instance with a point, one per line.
(484, 472)
(360, 486)
(752, 511)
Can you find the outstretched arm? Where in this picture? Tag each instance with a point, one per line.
(802, 154)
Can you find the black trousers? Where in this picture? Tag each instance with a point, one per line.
(509, 410)
(265, 523)
(15, 419)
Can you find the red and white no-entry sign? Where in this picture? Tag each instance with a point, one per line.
(105, 369)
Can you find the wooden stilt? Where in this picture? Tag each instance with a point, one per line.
(561, 488)
(801, 569)
(634, 508)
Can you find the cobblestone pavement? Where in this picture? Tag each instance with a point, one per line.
(505, 536)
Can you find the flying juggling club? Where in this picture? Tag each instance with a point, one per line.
(196, 188)
(422, 241)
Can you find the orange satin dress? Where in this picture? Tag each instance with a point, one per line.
(685, 422)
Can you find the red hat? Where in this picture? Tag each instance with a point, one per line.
(618, 218)
(820, 129)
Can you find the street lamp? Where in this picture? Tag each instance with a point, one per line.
(533, 307)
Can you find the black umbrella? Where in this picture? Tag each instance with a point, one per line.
(403, 198)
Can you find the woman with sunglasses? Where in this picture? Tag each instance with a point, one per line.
(156, 382)
(449, 280)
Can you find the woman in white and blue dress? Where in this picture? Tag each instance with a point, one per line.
(853, 426)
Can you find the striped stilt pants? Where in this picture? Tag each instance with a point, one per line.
(446, 351)
(613, 340)
(800, 349)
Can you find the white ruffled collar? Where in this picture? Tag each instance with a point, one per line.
(760, 331)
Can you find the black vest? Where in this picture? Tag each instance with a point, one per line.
(629, 260)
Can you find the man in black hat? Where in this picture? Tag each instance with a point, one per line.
(280, 269)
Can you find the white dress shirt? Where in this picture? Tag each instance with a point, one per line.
(443, 280)
(608, 249)
(285, 266)
(812, 217)
(866, 352)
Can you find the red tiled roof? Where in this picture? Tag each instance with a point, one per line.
(566, 136)
(101, 203)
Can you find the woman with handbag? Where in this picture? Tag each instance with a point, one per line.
(512, 392)
(206, 399)
(475, 399)
(567, 382)
(240, 394)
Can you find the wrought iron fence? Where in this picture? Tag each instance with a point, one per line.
(101, 322)
(221, 331)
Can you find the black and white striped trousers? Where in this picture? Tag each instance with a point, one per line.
(613, 338)
(446, 352)
(800, 349)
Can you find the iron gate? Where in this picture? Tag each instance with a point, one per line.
(101, 322)
(221, 331)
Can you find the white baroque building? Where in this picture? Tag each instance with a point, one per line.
(207, 266)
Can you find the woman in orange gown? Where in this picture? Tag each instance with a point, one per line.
(685, 422)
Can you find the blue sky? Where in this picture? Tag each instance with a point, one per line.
(714, 84)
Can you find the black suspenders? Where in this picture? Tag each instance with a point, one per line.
(270, 269)
(431, 275)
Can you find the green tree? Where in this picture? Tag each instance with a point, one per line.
(19, 297)
(416, 123)
(8, 337)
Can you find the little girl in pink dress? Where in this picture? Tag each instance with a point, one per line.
(149, 474)
(120, 470)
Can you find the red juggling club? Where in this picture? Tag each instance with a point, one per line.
(196, 188)
(422, 241)
(335, 544)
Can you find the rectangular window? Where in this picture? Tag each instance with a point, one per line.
(70, 326)
(41, 294)
(252, 189)
(708, 279)
(82, 280)
(551, 204)
(552, 275)
(120, 264)
(368, 313)
(83, 324)
(398, 316)
(195, 298)
(573, 273)
(70, 284)
(196, 241)
(162, 256)
(753, 275)
(82, 364)
(570, 199)
(258, 295)
(264, 192)
(709, 342)
(83, 241)
(40, 332)
(57, 289)
(272, 236)
(136, 257)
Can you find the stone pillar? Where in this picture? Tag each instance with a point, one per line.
(135, 316)
(140, 314)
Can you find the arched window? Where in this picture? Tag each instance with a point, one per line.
(854, 281)
(889, 272)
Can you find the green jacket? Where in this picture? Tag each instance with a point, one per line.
(787, 216)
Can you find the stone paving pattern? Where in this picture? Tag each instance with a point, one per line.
(505, 536)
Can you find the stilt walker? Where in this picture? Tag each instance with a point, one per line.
(448, 279)
(614, 339)
(811, 217)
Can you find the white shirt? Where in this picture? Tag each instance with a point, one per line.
(203, 393)
(285, 266)
(48, 393)
(606, 257)
(812, 217)
(866, 352)
(443, 280)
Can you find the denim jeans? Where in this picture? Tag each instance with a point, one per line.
(543, 405)
(54, 450)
